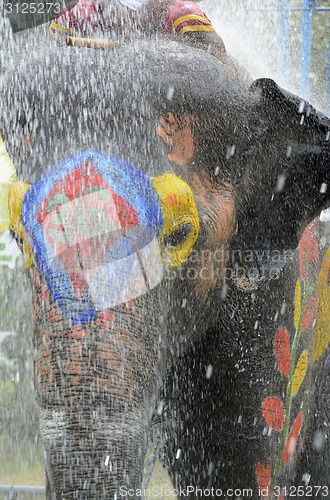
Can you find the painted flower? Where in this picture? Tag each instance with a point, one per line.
(308, 250)
(309, 313)
(273, 412)
(282, 351)
(263, 472)
(291, 441)
(300, 372)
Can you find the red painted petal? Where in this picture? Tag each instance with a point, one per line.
(273, 412)
(282, 351)
(36, 278)
(308, 246)
(79, 284)
(263, 472)
(106, 320)
(308, 313)
(45, 294)
(292, 439)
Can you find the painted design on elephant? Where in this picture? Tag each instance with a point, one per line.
(276, 413)
(91, 220)
(308, 252)
(178, 133)
(282, 351)
(37, 279)
(263, 472)
(55, 315)
(322, 326)
(292, 439)
(106, 320)
(181, 221)
(45, 294)
(273, 412)
(15, 198)
(155, 477)
(78, 332)
(96, 226)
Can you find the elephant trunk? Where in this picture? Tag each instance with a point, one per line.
(94, 461)
(92, 225)
(96, 387)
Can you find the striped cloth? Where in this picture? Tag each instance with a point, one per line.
(184, 17)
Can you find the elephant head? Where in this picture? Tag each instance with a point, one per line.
(139, 168)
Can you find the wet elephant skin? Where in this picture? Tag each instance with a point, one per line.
(233, 174)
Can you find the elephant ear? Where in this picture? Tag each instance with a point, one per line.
(19, 115)
(287, 175)
(288, 168)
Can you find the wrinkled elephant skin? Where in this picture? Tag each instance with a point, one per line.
(159, 207)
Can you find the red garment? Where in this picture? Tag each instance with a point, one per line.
(183, 17)
(86, 20)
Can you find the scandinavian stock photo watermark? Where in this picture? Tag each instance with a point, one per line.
(235, 493)
(227, 264)
(26, 14)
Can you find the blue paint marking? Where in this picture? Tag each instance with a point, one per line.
(128, 183)
(327, 361)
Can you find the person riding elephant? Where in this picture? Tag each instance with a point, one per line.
(185, 20)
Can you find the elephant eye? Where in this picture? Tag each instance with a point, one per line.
(178, 236)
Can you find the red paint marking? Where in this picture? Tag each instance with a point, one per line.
(78, 332)
(79, 284)
(36, 278)
(127, 305)
(308, 247)
(55, 314)
(282, 351)
(88, 253)
(76, 184)
(282, 497)
(273, 412)
(172, 201)
(263, 472)
(106, 320)
(309, 313)
(45, 294)
(291, 441)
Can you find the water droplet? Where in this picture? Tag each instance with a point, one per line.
(318, 441)
(160, 407)
(209, 371)
(301, 106)
(323, 188)
(306, 478)
(280, 183)
(170, 92)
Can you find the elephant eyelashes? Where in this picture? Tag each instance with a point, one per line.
(178, 236)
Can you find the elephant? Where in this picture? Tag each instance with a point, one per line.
(168, 213)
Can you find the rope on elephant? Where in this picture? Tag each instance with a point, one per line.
(93, 43)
